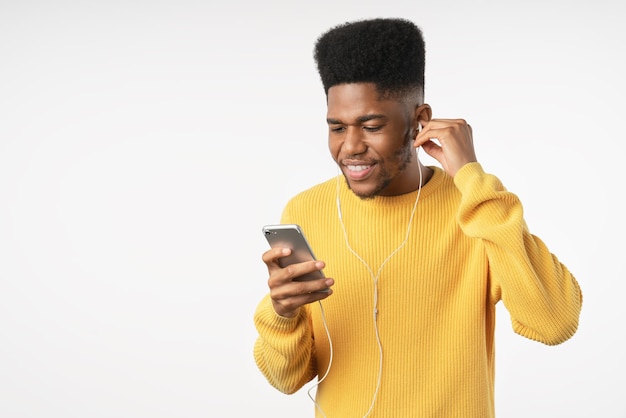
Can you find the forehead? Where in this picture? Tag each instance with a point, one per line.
(347, 102)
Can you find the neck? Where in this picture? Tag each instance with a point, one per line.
(425, 174)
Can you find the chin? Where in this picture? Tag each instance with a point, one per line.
(363, 191)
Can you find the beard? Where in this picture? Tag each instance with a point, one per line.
(402, 157)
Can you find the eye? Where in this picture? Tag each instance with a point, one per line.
(337, 129)
(372, 128)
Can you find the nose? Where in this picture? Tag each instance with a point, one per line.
(353, 143)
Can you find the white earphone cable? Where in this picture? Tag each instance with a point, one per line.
(375, 282)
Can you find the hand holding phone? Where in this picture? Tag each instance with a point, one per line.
(291, 236)
(286, 298)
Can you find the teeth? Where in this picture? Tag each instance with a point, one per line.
(358, 167)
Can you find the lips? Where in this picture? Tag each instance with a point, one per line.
(357, 167)
(357, 171)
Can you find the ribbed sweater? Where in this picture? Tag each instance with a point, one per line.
(468, 248)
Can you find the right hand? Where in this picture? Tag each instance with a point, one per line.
(289, 295)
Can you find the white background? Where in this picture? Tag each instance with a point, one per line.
(143, 144)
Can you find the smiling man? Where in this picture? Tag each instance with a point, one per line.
(416, 257)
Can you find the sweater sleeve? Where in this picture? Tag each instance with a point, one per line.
(542, 297)
(284, 349)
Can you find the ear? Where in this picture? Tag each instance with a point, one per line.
(423, 113)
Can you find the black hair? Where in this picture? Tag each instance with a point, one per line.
(389, 52)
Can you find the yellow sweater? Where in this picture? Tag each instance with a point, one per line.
(469, 247)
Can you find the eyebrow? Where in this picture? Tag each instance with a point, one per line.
(360, 119)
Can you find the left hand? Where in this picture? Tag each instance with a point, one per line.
(456, 145)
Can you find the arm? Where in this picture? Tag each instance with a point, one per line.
(541, 295)
(284, 349)
(539, 292)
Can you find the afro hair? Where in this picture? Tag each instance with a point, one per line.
(389, 52)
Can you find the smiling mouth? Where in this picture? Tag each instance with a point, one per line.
(358, 171)
(357, 167)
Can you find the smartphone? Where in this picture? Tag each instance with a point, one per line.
(291, 236)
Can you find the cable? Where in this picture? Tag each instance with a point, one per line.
(330, 361)
(375, 282)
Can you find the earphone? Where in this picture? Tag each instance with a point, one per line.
(375, 283)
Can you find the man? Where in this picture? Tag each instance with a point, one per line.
(415, 258)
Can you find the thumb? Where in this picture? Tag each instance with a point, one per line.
(433, 150)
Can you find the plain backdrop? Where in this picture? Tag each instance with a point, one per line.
(143, 145)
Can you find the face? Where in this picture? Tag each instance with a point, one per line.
(371, 140)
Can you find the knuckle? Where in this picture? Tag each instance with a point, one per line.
(290, 271)
(301, 288)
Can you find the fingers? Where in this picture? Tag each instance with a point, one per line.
(288, 294)
(444, 130)
(271, 256)
(280, 274)
(288, 299)
(449, 141)
(433, 149)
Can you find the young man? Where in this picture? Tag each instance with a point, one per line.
(416, 258)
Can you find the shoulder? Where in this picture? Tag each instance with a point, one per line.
(323, 191)
(306, 202)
